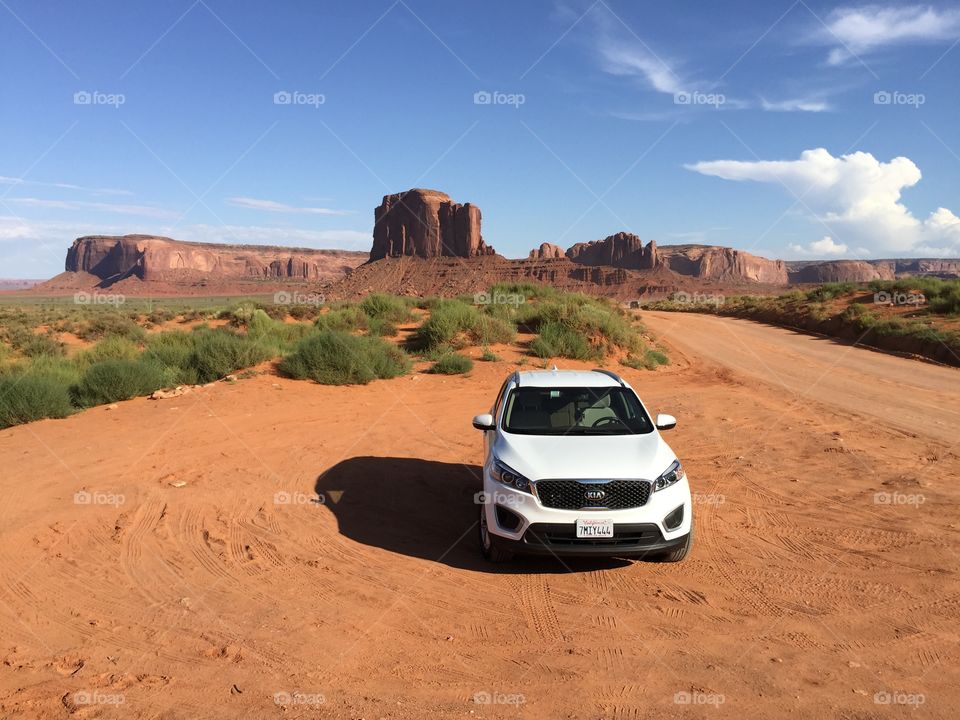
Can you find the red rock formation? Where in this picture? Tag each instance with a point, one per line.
(842, 271)
(624, 250)
(162, 259)
(708, 262)
(547, 251)
(426, 223)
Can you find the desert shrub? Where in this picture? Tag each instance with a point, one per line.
(277, 337)
(338, 358)
(647, 360)
(381, 327)
(525, 290)
(344, 319)
(112, 347)
(455, 323)
(113, 380)
(304, 312)
(111, 323)
(557, 339)
(452, 364)
(160, 315)
(217, 353)
(829, 291)
(34, 393)
(385, 307)
(489, 356)
(41, 345)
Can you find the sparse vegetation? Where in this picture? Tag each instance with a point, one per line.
(110, 381)
(452, 364)
(337, 358)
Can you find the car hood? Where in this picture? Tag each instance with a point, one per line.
(585, 456)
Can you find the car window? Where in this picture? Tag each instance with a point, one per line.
(575, 411)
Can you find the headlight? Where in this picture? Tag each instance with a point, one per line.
(509, 477)
(672, 475)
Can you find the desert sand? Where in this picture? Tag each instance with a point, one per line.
(272, 548)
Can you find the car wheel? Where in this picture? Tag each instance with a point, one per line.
(490, 551)
(679, 553)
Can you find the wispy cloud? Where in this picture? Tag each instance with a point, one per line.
(620, 57)
(120, 208)
(278, 207)
(855, 31)
(21, 182)
(815, 105)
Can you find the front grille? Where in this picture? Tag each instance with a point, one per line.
(574, 495)
(565, 535)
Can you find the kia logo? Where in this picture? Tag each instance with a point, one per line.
(594, 494)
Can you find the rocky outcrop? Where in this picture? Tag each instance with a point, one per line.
(623, 250)
(547, 251)
(426, 223)
(857, 271)
(722, 264)
(153, 258)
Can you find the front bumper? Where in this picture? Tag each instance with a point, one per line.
(540, 530)
(630, 540)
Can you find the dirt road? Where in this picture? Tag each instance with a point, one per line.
(915, 396)
(170, 559)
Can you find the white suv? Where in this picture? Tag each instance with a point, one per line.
(573, 465)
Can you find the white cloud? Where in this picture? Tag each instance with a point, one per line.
(795, 105)
(856, 196)
(859, 30)
(823, 246)
(278, 207)
(20, 182)
(633, 59)
(121, 208)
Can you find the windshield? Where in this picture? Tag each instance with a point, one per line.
(575, 411)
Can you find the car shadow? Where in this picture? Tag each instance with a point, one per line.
(424, 509)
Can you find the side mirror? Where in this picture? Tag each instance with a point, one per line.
(483, 422)
(664, 422)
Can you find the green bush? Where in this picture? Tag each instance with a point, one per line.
(648, 360)
(454, 323)
(338, 358)
(41, 345)
(114, 380)
(559, 340)
(381, 327)
(344, 319)
(111, 323)
(452, 364)
(489, 356)
(217, 353)
(385, 307)
(829, 291)
(112, 347)
(34, 394)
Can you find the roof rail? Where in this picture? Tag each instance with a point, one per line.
(516, 378)
(611, 374)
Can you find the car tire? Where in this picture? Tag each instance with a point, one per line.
(679, 553)
(490, 551)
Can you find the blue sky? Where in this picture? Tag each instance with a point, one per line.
(790, 129)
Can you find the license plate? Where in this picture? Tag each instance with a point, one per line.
(594, 528)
